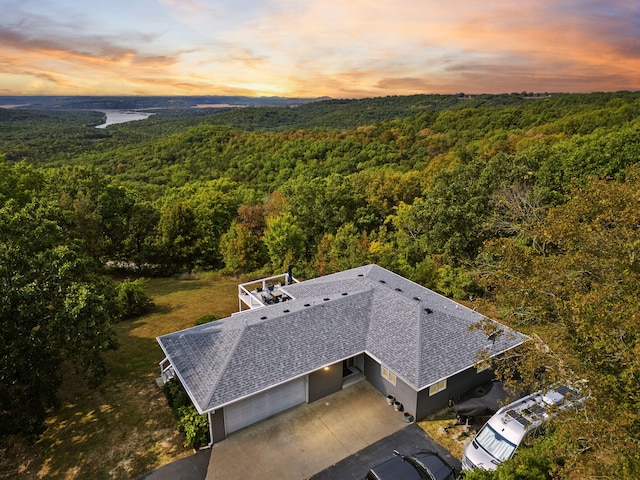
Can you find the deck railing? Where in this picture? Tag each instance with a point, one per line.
(166, 371)
(252, 293)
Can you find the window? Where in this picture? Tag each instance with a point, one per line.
(438, 387)
(388, 376)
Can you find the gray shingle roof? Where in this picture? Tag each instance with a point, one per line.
(418, 334)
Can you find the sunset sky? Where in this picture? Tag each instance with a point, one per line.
(310, 48)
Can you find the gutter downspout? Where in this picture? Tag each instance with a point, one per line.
(210, 421)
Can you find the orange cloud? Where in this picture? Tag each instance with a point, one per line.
(328, 47)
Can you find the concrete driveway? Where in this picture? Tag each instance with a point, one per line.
(308, 439)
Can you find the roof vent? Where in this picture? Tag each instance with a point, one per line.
(382, 281)
(286, 311)
(416, 298)
(307, 304)
(326, 299)
(263, 318)
(344, 294)
(398, 289)
(361, 275)
(428, 310)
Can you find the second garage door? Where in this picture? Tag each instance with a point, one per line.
(264, 405)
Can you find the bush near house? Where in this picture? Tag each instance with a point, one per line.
(193, 426)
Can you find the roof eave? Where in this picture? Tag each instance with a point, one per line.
(184, 384)
(469, 366)
(224, 404)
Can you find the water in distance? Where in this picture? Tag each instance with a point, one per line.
(122, 116)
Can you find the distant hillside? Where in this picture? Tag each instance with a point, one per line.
(147, 102)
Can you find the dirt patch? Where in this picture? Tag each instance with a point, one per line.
(454, 435)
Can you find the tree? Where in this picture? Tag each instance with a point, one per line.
(141, 225)
(242, 250)
(515, 209)
(348, 248)
(177, 236)
(19, 182)
(252, 217)
(284, 241)
(192, 221)
(580, 294)
(214, 205)
(54, 307)
(383, 190)
(320, 205)
(87, 222)
(78, 190)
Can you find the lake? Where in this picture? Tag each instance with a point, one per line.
(122, 116)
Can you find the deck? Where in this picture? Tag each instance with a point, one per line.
(263, 292)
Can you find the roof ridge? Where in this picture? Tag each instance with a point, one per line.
(364, 298)
(212, 391)
(369, 293)
(420, 318)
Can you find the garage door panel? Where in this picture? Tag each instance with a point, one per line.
(264, 405)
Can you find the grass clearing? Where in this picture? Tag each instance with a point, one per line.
(443, 429)
(124, 428)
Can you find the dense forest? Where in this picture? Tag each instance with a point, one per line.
(527, 205)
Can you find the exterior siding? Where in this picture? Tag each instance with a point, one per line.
(359, 361)
(457, 386)
(402, 392)
(219, 431)
(324, 382)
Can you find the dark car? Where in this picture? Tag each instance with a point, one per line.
(424, 465)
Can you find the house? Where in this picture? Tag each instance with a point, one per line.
(301, 341)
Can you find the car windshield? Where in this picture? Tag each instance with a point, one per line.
(420, 467)
(495, 444)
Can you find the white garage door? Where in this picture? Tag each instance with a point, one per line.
(263, 405)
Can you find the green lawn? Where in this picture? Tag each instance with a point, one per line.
(124, 428)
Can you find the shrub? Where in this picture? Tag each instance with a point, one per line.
(176, 395)
(132, 300)
(193, 426)
(206, 319)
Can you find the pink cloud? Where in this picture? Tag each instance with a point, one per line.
(332, 47)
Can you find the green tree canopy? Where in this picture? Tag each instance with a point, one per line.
(54, 308)
(242, 250)
(577, 288)
(284, 241)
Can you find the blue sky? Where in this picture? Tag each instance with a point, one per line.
(317, 47)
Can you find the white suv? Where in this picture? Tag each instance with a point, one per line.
(498, 439)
